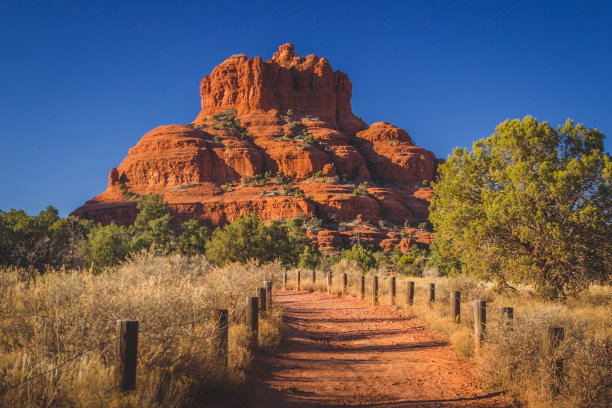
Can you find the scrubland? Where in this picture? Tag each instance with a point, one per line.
(512, 358)
(58, 342)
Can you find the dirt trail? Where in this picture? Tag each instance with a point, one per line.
(342, 352)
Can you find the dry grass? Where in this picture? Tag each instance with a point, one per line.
(511, 360)
(58, 332)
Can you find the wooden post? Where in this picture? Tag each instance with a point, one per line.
(455, 304)
(261, 294)
(344, 284)
(127, 352)
(362, 288)
(252, 320)
(375, 290)
(269, 294)
(507, 316)
(329, 282)
(220, 332)
(285, 281)
(392, 281)
(480, 323)
(297, 281)
(432, 292)
(552, 339)
(410, 289)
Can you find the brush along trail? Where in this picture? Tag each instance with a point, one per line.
(344, 352)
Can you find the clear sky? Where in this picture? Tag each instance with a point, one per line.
(82, 81)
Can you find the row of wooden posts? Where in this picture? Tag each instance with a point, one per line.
(553, 335)
(127, 337)
(127, 330)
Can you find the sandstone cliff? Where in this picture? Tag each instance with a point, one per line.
(278, 138)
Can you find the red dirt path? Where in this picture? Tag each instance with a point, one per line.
(343, 352)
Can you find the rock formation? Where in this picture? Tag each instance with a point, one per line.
(278, 138)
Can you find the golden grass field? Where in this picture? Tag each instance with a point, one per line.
(58, 332)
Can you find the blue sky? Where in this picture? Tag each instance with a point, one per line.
(82, 81)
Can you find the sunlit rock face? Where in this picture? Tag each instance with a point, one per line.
(289, 115)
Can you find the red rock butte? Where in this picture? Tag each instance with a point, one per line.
(278, 138)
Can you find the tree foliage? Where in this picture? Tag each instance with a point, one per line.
(528, 204)
(250, 238)
(411, 262)
(152, 224)
(40, 240)
(360, 254)
(192, 240)
(106, 246)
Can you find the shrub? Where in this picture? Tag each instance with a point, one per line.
(290, 190)
(41, 240)
(360, 254)
(331, 218)
(249, 238)
(192, 240)
(106, 246)
(281, 178)
(152, 224)
(362, 190)
(411, 262)
(310, 258)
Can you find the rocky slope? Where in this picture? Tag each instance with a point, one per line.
(278, 138)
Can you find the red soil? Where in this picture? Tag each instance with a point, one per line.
(342, 352)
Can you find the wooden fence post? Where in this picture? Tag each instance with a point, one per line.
(362, 288)
(456, 306)
(507, 316)
(410, 289)
(480, 323)
(297, 281)
(392, 290)
(252, 320)
(329, 282)
(344, 284)
(375, 290)
(269, 294)
(552, 339)
(127, 353)
(261, 295)
(432, 292)
(220, 332)
(285, 281)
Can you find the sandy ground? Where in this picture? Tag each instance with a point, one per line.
(343, 352)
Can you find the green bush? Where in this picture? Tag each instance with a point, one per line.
(192, 240)
(310, 258)
(250, 238)
(309, 139)
(41, 240)
(362, 255)
(152, 224)
(411, 262)
(362, 190)
(106, 246)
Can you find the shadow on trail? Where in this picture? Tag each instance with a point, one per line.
(310, 355)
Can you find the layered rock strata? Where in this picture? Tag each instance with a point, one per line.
(278, 138)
